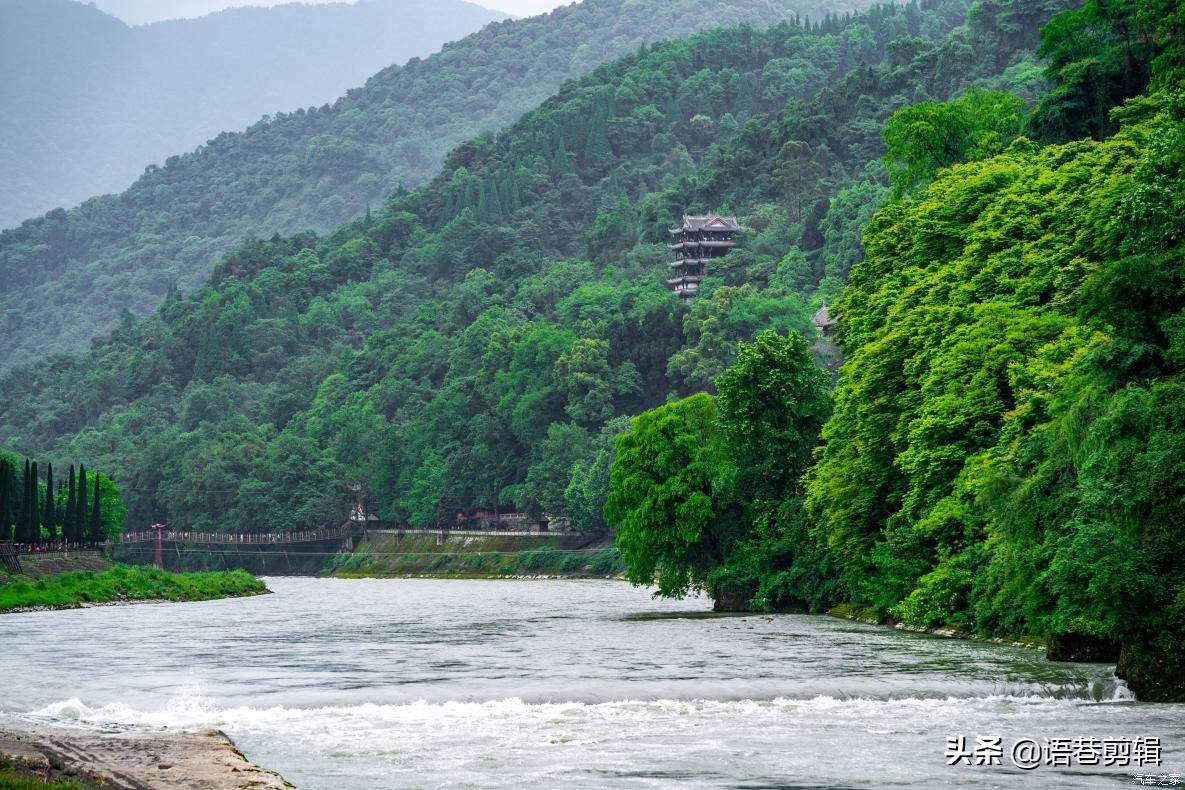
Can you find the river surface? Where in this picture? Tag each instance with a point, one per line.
(574, 684)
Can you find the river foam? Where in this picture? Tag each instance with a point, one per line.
(459, 743)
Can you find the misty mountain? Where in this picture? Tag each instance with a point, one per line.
(315, 169)
(144, 12)
(87, 101)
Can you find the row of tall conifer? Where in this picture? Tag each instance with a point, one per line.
(30, 513)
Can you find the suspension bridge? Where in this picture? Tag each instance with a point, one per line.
(292, 551)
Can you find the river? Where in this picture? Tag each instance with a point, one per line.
(575, 684)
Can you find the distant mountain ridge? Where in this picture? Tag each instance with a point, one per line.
(87, 101)
(147, 12)
(318, 168)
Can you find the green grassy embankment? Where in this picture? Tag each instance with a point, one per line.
(125, 583)
(480, 557)
(13, 777)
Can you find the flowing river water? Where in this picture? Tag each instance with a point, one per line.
(574, 684)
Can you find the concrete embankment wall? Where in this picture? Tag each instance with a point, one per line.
(393, 553)
(307, 558)
(35, 566)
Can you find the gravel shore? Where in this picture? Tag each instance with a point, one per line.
(132, 759)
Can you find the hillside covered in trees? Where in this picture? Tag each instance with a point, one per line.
(302, 169)
(88, 102)
(478, 339)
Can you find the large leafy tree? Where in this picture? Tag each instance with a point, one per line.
(1096, 57)
(927, 137)
(772, 404)
(666, 497)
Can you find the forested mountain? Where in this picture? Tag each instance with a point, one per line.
(306, 169)
(87, 102)
(475, 342)
(144, 12)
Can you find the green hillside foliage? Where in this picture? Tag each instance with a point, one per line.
(476, 343)
(705, 491)
(311, 168)
(1007, 453)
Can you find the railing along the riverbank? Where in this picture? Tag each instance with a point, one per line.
(238, 538)
(61, 554)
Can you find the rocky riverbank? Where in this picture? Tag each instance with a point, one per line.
(132, 759)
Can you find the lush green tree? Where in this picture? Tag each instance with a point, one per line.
(426, 493)
(720, 320)
(49, 518)
(32, 509)
(80, 513)
(95, 527)
(1096, 57)
(69, 533)
(665, 501)
(565, 445)
(6, 512)
(927, 137)
(772, 404)
(590, 483)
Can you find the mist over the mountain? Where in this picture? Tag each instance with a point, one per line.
(87, 101)
(143, 12)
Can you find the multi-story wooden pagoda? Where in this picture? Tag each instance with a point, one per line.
(697, 241)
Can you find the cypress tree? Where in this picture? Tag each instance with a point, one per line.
(33, 514)
(50, 519)
(5, 503)
(68, 519)
(80, 506)
(22, 519)
(96, 529)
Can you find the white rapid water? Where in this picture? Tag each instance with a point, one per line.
(421, 683)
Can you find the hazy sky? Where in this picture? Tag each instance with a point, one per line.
(140, 12)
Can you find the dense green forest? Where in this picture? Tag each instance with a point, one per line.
(1006, 454)
(478, 342)
(88, 102)
(312, 168)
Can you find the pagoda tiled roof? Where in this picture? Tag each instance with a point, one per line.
(707, 222)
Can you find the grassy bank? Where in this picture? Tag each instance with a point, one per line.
(126, 583)
(480, 557)
(13, 777)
